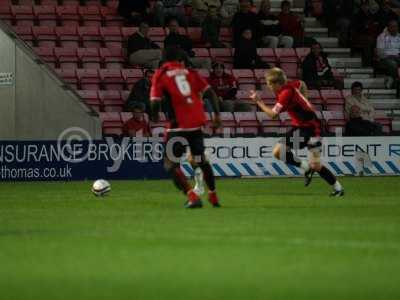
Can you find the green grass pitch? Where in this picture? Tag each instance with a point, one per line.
(273, 239)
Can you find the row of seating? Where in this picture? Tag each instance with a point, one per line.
(66, 15)
(233, 124)
(109, 3)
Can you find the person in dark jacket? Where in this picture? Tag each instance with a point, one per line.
(210, 29)
(139, 97)
(317, 72)
(244, 19)
(141, 50)
(134, 12)
(246, 56)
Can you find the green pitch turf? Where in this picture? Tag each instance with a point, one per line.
(273, 239)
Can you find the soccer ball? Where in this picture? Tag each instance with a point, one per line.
(101, 187)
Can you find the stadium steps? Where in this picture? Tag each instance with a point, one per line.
(368, 83)
(345, 62)
(361, 73)
(328, 42)
(316, 32)
(338, 52)
(386, 104)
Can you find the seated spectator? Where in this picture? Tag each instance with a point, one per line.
(388, 48)
(200, 9)
(139, 97)
(135, 12)
(175, 39)
(317, 72)
(165, 9)
(360, 114)
(225, 86)
(211, 28)
(141, 50)
(228, 9)
(385, 14)
(246, 56)
(136, 126)
(365, 30)
(244, 19)
(270, 27)
(291, 24)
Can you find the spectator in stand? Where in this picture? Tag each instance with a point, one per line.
(317, 72)
(291, 24)
(365, 30)
(135, 12)
(211, 28)
(246, 56)
(136, 126)
(385, 14)
(200, 9)
(225, 86)
(177, 40)
(271, 29)
(166, 9)
(141, 50)
(360, 114)
(245, 19)
(388, 49)
(139, 97)
(228, 9)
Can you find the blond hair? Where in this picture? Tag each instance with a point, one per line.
(275, 76)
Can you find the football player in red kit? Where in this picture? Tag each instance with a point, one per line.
(306, 127)
(183, 89)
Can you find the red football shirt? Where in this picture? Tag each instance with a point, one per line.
(300, 110)
(184, 88)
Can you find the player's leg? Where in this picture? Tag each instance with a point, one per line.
(315, 164)
(197, 148)
(174, 149)
(198, 176)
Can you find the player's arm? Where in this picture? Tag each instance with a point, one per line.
(273, 113)
(212, 96)
(303, 89)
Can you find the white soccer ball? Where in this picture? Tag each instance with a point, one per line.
(101, 187)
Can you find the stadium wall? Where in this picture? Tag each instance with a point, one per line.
(35, 104)
(142, 159)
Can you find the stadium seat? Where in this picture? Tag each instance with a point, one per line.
(221, 54)
(201, 52)
(226, 35)
(204, 72)
(45, 15)
(110, 17)
(195, 35)
(67, 58)
(111, 100)
(286, 55)
(25, 33)
(89, 79)
(112, 79)
(302, 53)
(333, 99)
(267, 125)
(247, 123)
(128, 31)
(130, 76)
(47, 55)
(268, 55)
(68, 36)
(259, 75)
(228, 123)
(92, 99)
(89, 58)
(23, 15)
(208, 128)
(267, 96)
(90, 16)
(384, 120)
(112, 123)
(290, 69)
(315, 97)
(157, 128)
(335, 120)
(157, 34)
(6, 15)
(244, 75)
(111, 36)
(113, 58)
(90, 36)
(68, 15)
(45, 36)
(69, 76)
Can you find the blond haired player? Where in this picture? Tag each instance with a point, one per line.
(306, 127)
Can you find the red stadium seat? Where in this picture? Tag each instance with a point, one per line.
(90, 36)
(23, 15)
(112, 79)
(335, 120)
(45, 15)
(195, 35)
(157, 128)
(89, 58)
(247, 123)
(259, 75)
(92, 99)
(384, 120)
(286, 55)
(69, 76)
(226, 35)
(157, 34)
(290, 69)
(68, 15)
(333, 99)
(25, 33)
(244, 75)
(89, 79)
(315, 98)
(267, 96)
(45, 36)
(267, 125)
(111, 100)
(66, 58)
(221, 54)
(243, 95)
(130, 76)
(68, 36)
(90, 15)
(47, 55)
(268, 55)
(346, 93)
(113, 58)
(228, 127)
(112, 36)
(201, 52)
(302, 53)
(110, 17)
(112, 123)
(6, 15)
(208, 128)
(128, 31)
